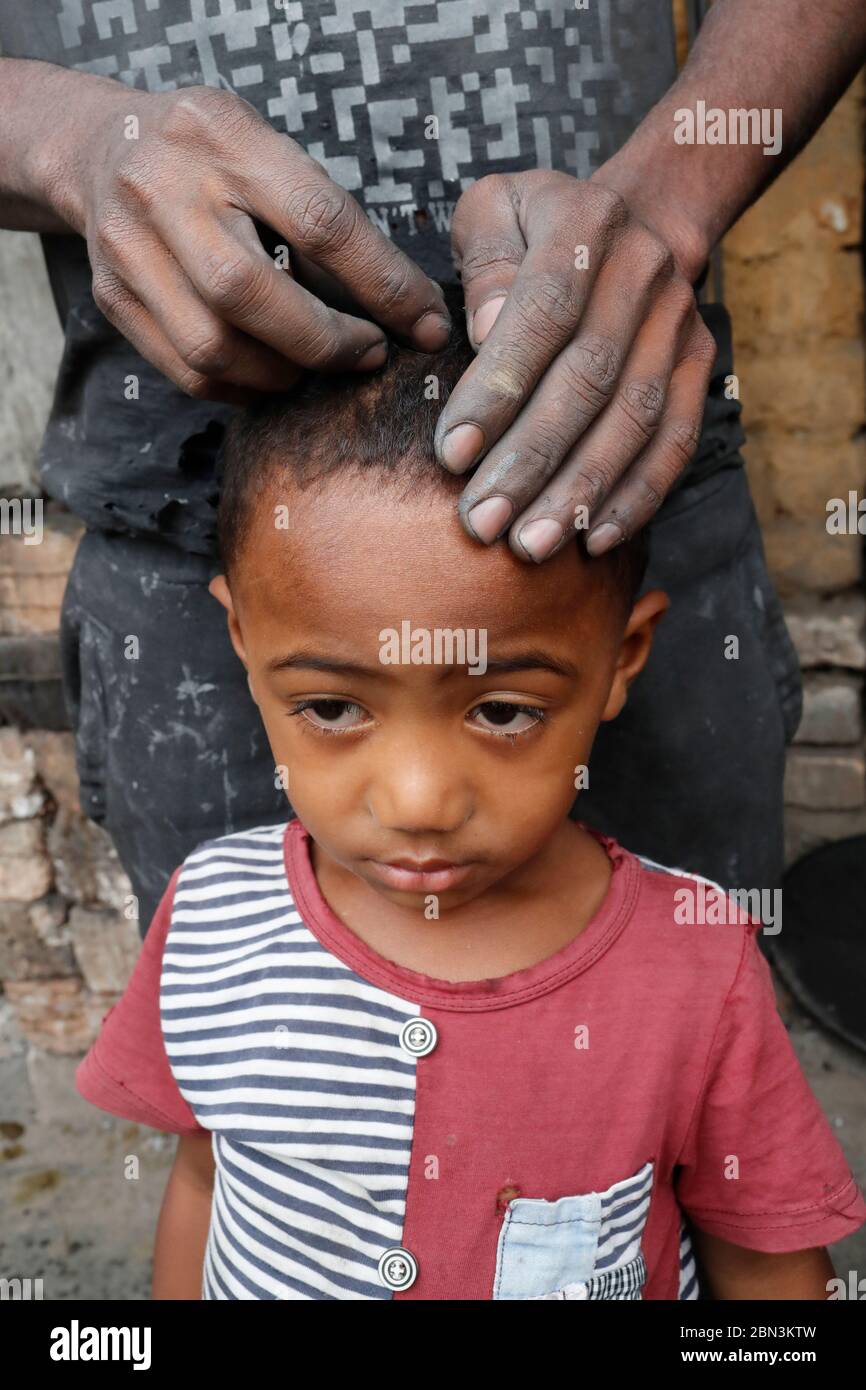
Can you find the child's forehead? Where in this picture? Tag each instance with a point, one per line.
(364, 554)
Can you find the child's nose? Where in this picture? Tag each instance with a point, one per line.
(420, 792)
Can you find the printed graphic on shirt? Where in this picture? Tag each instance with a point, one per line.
(404, 103)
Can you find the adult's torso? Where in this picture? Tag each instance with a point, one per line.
(511, 85)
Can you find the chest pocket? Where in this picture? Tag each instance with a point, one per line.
(584, 1247)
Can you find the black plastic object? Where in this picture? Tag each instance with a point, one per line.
(821, 950)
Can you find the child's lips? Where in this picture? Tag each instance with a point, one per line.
(421, 875)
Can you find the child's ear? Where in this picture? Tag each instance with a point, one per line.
(221, 592)
(637, 642)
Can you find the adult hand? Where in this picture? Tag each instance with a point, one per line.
(586, 398)
(179, 268)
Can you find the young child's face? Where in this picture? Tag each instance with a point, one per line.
(424, 778)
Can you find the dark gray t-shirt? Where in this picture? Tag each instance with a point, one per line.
(513, 84)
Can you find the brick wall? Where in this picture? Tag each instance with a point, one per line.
(793, 271)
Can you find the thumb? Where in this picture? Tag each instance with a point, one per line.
(488, 247)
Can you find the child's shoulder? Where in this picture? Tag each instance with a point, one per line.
(260, 842)
(240, 864)
(699, 921)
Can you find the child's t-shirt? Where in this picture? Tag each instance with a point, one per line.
(553, 1133)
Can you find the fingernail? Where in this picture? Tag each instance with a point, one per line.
(487, 518)
(461, 446)
(538, 538)
(431, 331)
(484, 318)
(374, 356)
(604, 537)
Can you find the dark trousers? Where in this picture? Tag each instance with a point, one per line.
(171, 750)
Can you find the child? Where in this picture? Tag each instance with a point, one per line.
(434, 1039)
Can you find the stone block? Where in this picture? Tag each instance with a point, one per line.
(793, 390)
(26, 951)
(825, 779)
(803, 472)
(31, 691)
(55, 765)
(807, 830)
(12, 1043)
(58, 1016)
(803, 557)
(25, 869)
(33, 577)
(20, 798)
(829, 632)
(796, 292)
(106, 946)
(85, 862)
(832, 709)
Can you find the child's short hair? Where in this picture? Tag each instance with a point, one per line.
(382, 422)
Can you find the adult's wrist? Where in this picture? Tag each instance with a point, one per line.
(656, 201)
(65, 112)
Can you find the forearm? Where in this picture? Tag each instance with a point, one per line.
(47, 114)
(786, 55)
(181, 1238)
(735, 1272)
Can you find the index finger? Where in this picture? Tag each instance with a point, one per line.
(541, 312)
(281, 184)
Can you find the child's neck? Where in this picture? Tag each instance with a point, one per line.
(517, 922)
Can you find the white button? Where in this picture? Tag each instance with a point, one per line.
(398, 1269)
(418, 1037)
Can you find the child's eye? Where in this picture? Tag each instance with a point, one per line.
(331, 716)
(500, 717)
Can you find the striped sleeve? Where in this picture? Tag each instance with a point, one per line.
(126, 1071)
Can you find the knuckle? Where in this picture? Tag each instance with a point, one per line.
(198, 110)
(487, 189)
(548, 302)
(651, 493)
(320, 346)
(111, 238)
(682, 300)
(545, 450)
(209, 356)
(392, 285)
(136, 183)
(230, 284)
(107, 293)
(192, 383)
(481, 256)
(611, 207)
(322, 215)
(592, 367)
(682, 438)
(642, 401)
(505, 373)
(703, 346)
(656, 258)
(595, 481)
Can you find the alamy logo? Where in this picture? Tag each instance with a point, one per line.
(21, 516)
(708, 905)
(438, 646)
(77, 1343)
(737, 126)
(20, 1289)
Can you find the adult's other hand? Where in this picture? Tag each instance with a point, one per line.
(586, 397)
(167, 187)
